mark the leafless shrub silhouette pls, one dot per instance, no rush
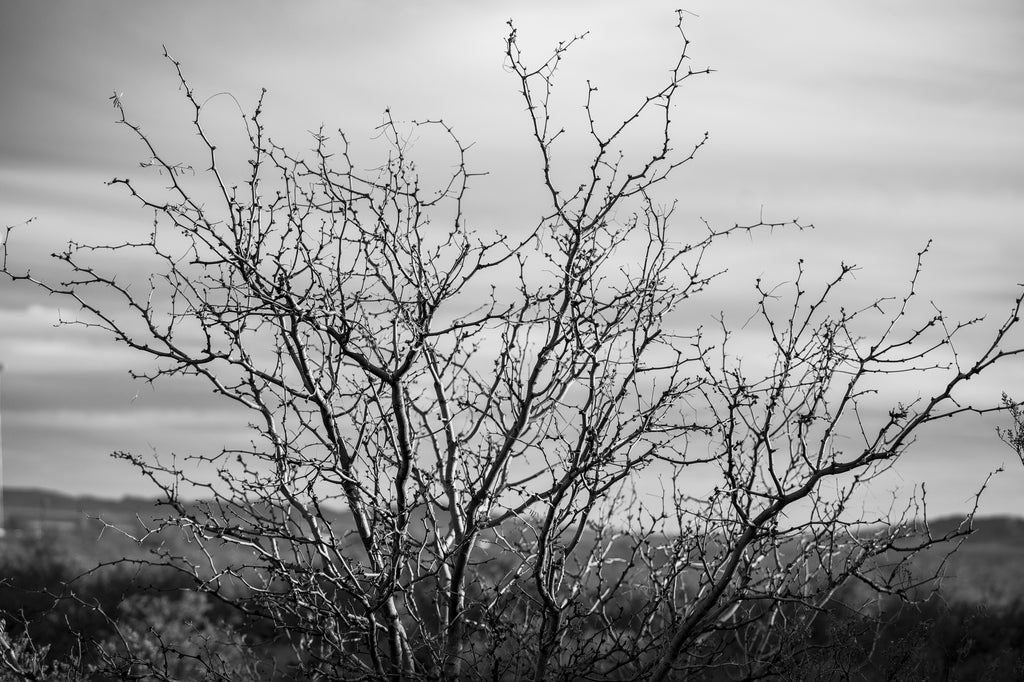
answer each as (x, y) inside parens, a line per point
(454, 431)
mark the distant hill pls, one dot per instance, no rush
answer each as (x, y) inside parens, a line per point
(37, 508)
(988, 568)
(37, 504)
(41, 505)
(1000, 530)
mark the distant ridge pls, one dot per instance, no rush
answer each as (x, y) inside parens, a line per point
(21, 501)
(999, 529)
(37, 498)
(35, 507)
(987, 569)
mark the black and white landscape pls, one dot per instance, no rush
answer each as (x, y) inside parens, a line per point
(552, 341)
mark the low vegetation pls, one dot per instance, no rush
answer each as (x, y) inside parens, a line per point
(64, 619)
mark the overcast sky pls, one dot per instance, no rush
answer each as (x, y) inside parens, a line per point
(884, 124)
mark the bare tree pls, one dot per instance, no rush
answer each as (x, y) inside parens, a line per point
(454, 433)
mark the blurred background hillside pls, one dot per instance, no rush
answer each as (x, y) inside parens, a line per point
(969, 626)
